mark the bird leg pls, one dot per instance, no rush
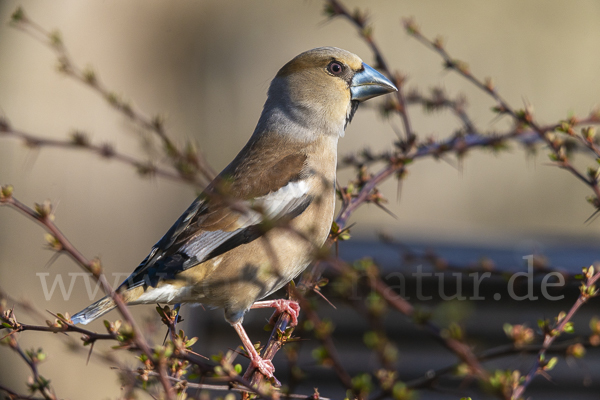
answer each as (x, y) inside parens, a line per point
(289, 306)
(264, 366)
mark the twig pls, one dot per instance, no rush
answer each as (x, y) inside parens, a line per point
(64, 327)
(79, 141)
(181, 160)
(439, 100)
(326, 339)
(398, 303)
(522, 117)
(24, 304)
(12, 395)
(43, 215)
(460, 143)
(224, 388)
(588, 290)
(335, 8)
(490, 354)
(485, 265)
(38, 383)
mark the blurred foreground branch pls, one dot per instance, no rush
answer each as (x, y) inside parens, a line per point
(175, 364)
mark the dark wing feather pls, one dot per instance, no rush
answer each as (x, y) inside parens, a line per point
(210, 227)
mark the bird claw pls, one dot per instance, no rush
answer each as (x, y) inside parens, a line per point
(288, 306)
(265, 366)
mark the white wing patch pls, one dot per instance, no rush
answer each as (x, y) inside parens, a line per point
(279, 203)
(274, 205)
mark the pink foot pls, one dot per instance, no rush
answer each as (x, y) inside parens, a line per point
(288, 306)
(264, 366)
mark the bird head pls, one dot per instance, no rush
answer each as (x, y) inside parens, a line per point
(318, 92)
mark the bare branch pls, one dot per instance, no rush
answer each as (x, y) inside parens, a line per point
(43, 215)
(588, 290)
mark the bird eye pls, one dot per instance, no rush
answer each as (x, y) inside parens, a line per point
(335, 68)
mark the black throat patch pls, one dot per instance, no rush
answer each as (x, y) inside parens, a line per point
(353, 106)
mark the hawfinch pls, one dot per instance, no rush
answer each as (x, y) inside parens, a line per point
(256, 226)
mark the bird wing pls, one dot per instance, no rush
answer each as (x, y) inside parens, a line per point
(228, 214)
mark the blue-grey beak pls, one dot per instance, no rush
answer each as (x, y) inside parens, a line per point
(369, 83)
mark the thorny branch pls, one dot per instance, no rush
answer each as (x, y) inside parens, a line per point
(192, 168)
(44, 216)
(225, 388)
(587, 291)
(335, 8)
(79, 140)
(37, 383)
(408, 152)
(12, 395)
(502, 351)
(179, 345)
(524, 117)
(541, 266)
(190, 165)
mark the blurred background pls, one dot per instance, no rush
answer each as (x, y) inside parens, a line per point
(206, 66)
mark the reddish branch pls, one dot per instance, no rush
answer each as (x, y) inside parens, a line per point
(396, 162)
(522, 117)
(461, 350)
(501, 351)
(80, 142)
(588, 290)
(43, 215)
(12, 395)
(335, 8)
(180, 159)
(38, 383)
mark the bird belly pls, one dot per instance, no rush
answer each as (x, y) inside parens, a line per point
(255, 270)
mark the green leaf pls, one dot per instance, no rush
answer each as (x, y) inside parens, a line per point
(569, 327)
(551, 364)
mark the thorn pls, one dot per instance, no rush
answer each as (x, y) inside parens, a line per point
(7, 335)
(317, 291)
(56, 316)
(242, 352)
(592, 217)
(53, 259)
(90, 353)
(450, 163)
(346, 229)
(384, 208)
(197, 354)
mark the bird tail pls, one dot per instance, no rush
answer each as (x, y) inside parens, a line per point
(94, 311)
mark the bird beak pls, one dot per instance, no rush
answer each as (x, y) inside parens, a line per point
(369, 83)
